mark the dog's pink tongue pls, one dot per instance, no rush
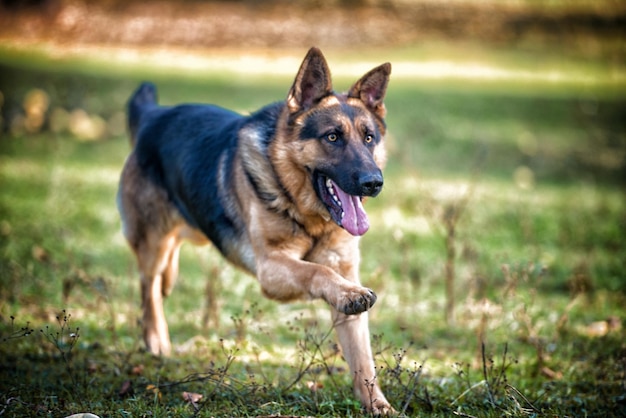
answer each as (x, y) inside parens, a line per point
(354, 219)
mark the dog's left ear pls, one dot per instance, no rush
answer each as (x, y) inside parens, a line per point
(371, 88)
(312, 83)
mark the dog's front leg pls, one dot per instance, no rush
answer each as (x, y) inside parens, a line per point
(285, 278)
(354, 338)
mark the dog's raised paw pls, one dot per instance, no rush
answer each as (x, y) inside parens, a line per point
(358, 303)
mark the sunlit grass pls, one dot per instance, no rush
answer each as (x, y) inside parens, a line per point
(539, 260)
(456, 66)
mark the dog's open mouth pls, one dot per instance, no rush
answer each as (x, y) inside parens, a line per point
(345, 209)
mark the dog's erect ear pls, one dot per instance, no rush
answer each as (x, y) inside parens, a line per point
(311, 84)
(371, 89)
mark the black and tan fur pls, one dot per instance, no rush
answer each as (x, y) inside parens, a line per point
(264, 189)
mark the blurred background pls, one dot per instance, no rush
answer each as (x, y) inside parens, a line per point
(503, 219)
(592, 27)
(555, 43)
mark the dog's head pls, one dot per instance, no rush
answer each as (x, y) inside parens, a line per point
(339, 138)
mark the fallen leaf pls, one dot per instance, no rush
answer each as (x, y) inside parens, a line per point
(602, 328)
(40, 254)
(314, 386)
(615, 323)
(155, 390)
(137, 370)
(192, 397)
(92, 366)
(551, 374)
(126, 389)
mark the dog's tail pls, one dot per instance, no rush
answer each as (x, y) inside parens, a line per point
(144, 98)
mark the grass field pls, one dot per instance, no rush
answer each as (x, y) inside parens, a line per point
(514, 183)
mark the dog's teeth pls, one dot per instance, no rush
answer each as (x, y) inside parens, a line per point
(342, 213)
(332, 191)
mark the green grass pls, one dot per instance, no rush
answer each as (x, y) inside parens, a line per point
(539, 259)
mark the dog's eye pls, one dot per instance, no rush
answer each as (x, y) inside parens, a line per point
(369, 138)
(332, 137)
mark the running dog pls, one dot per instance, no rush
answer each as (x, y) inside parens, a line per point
(279, 192)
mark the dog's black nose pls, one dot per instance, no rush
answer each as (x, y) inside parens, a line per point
(371, 183)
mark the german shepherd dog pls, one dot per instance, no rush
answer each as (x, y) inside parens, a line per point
(278, 192)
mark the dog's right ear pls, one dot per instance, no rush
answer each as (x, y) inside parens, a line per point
(312, 82)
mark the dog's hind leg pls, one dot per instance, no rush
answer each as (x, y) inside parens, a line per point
(170, 273)
(182, 233)
(151, 226)
(155, 256)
